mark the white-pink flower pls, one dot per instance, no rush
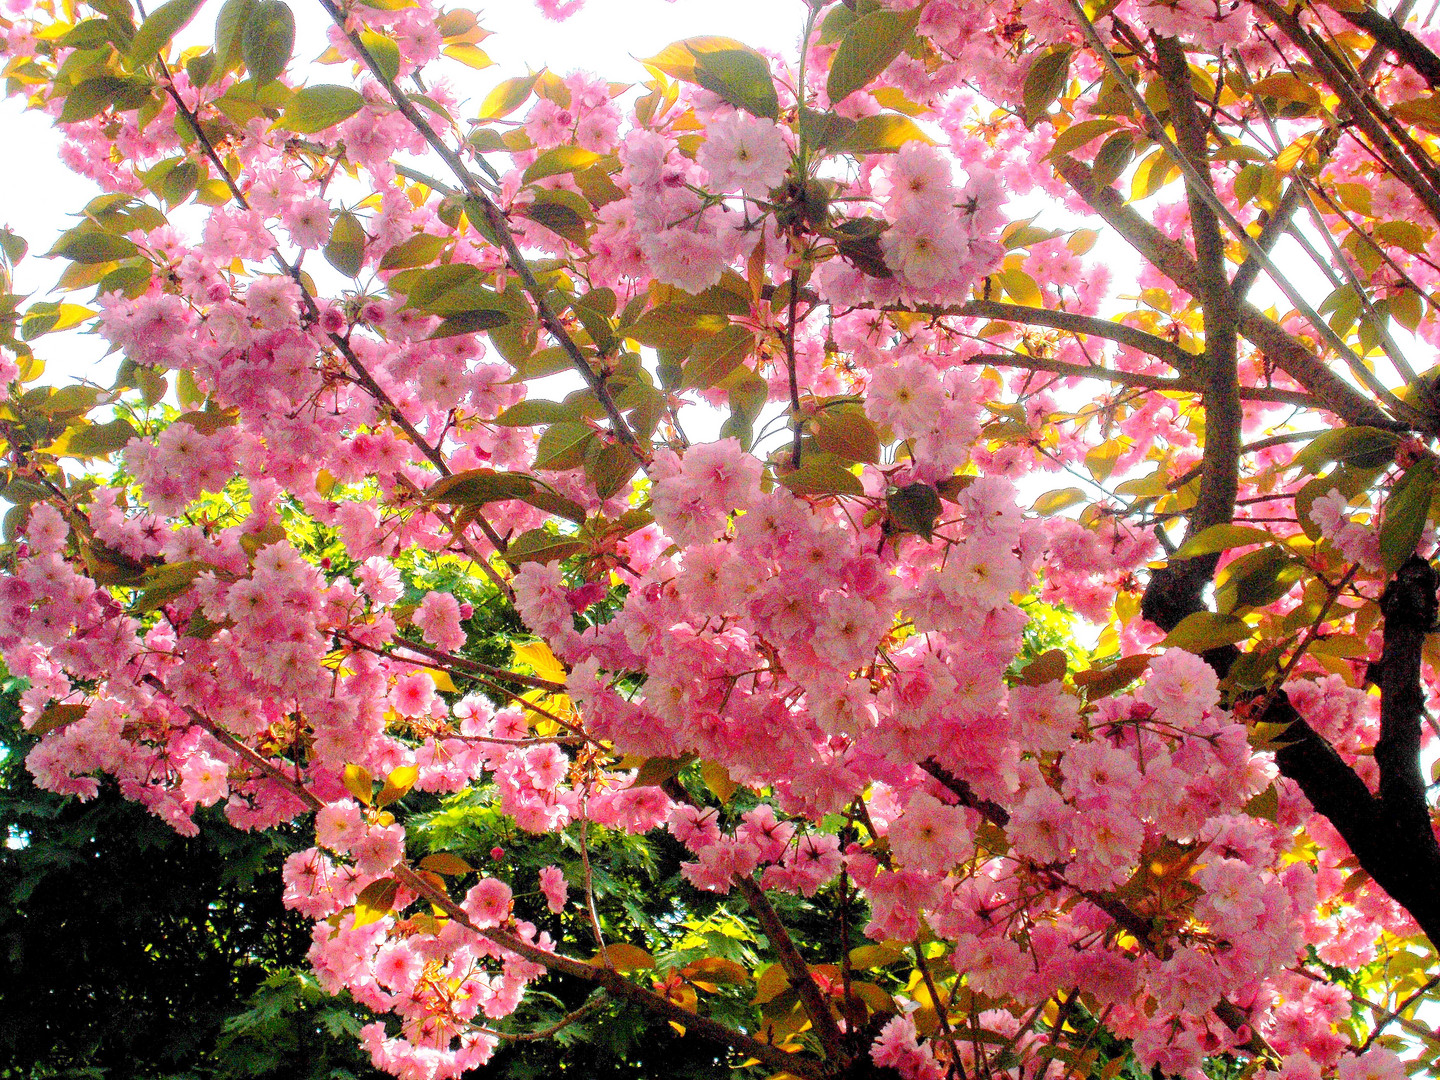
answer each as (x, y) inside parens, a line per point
(744, 153)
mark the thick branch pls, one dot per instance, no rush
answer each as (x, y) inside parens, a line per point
(1220, 465)
(1407, 871)
(1396, 39)
(1409, 607)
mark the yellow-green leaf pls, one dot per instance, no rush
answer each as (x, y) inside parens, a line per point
(508, 96)
(359, 782)
(623, 957)
(397, 785)
(316, 108)
(375, 901)
(1222, 538)
(1205, 630)
(870, 45)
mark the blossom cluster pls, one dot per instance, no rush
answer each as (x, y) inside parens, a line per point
(837, 621)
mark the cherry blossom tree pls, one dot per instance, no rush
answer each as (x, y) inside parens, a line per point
(1124, 774)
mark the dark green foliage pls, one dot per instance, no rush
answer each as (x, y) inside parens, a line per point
(127, 950)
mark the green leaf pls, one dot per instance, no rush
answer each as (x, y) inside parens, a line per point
(558, 160)
(670, 326)
(1247, 183)
(533, 412)
(1265, 805)
(383, 51)
(716, 357)
(1363, 447)
(1045, 82)
(1221, 538)
(539, 545)
(470, 322)
(914, 508)
(267, 40)
(741, 76)
(229, 28)
(1256, 579)
(346, 249)
(89, 246)
(475, 487)
(555, 213)
(423, 287)
(508, 96)
(870, 46)
(200, 68)
(543, 498)
(418, 250)
(101, 440)
(881, 134)
(88, 34)
(1406, 511)
(1205, 630)
(608, 466)
(12, 246)
(165, 583)
(316, 108)
(563, 445)
(179, 183)
(102, 92)
(820, 474)
(845, 431)
(1077, 135)
(157, 30)
(1112, 159)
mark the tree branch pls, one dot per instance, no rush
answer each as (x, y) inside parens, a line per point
(1172, 259)
(1394, 38)
(1152, 344)
(1220, 463)
(1414, 169)
(795, 967)
(1137, 379)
